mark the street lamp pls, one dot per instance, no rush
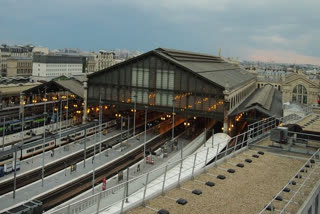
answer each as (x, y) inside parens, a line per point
(44, 134)
(134, 115)
(173, 113)
(145, 132)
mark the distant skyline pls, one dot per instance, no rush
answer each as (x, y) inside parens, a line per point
(265, 30)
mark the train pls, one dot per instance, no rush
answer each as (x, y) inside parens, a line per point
(14, 126)
(51, 143)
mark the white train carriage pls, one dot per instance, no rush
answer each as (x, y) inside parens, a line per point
(7, 161)
(36, 149)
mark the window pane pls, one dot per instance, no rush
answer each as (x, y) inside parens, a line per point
(305, 100)
(294, 98)
(294, 90)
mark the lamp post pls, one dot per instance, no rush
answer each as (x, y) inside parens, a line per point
(60, 119)
(94, 153)
(3, 132)
(173, 104)
(44, 134)
(67, 108)
(100, 126)
(134, 115)
(145, 132)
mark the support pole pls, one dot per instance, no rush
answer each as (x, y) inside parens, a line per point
(85, 149)
(212, 137)
(127, 186)
(15, 172)
(181, 162)
(44, 137)
(100, 127)
(121, 122)
(67, 114)
(98, 204)
(173, 104)
(164, 179)
(145, 190)
(134, 115)
(194, 164)
(60, 120)
(3, 132)
(206, 161)
(145, 132)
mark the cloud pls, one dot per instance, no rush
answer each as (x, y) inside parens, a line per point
(282, 56)
(201, 25)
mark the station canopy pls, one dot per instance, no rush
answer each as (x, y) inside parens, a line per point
(72, 85)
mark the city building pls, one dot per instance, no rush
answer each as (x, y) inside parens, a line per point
(298, 88)
(101, 60)
(12, 51)
(19, 66)
(47, 67)
(40, 50)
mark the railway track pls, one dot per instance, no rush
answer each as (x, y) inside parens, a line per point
(27, 178)
(68, 191)
(52, 168)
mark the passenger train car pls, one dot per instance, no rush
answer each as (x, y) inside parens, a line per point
(53, 142)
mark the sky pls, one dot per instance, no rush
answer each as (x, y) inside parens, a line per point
(264, 30)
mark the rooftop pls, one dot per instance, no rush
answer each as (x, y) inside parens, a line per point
(210, 67)
(247, 190)
(270, 105)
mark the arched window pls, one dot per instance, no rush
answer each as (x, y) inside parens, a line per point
(300, 95)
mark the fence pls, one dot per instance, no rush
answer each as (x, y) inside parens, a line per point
(293, 200)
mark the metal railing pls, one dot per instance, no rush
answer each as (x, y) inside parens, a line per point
(293, 181)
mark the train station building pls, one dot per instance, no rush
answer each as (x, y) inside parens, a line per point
(191, 84)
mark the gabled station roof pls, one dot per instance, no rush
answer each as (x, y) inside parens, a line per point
(266, 100)
(213, 68)
(72, 85)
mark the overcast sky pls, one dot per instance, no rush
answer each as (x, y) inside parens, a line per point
(269, 30)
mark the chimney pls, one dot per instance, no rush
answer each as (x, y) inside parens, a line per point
(219, 52)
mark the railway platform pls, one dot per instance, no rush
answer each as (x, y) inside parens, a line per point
(59, 153)
(63, 177)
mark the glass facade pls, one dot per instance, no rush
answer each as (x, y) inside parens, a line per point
(155, 82)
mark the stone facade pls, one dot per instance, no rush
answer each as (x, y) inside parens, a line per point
(298, 88)
(19, 66)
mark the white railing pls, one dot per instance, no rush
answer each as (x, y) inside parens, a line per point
(294, 181)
